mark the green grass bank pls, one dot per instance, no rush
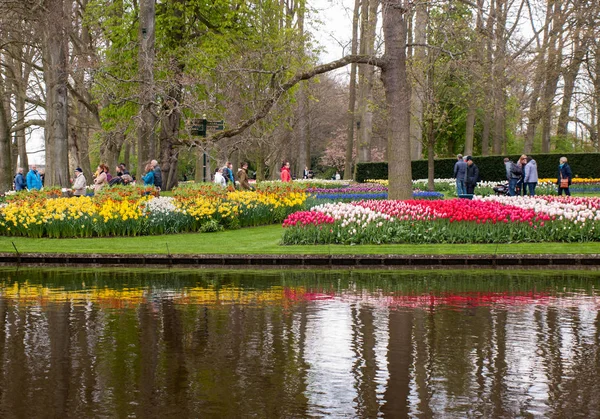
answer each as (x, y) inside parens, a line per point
(265, 240)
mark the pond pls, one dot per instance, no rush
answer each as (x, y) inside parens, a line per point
(162, 344)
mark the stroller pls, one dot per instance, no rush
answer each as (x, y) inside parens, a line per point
(501, 189)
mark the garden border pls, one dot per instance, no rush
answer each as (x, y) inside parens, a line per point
(489, 261)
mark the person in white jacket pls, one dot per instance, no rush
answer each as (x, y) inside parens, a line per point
(220, 179)
(79, 183)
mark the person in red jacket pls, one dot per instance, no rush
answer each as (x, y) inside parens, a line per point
(285, 172)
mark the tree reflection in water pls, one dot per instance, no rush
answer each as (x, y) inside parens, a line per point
(296, 344)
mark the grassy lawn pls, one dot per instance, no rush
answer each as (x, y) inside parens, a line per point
(265, 240)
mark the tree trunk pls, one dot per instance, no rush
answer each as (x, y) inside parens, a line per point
(129, 145)
(110, 149)
(260, 164)
(20, 134)
(596, 98)
(147, 123)
(367, 125)
(552, 73)
(348, 172)
(488, 70)
(397, 93)
(365, 80)
(534, 111)
(6, 168)
(470, 129)
(302, 129)
(302, 132)
(21, 69)
(55, 44)
(418, 64)
(169, 134)
(499, 77)
(199, 175)
(570, 76)
(430, 156)
(79, 142)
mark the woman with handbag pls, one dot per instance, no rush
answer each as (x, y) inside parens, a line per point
(564, 177)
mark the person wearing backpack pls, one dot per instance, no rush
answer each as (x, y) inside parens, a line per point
(516, 173)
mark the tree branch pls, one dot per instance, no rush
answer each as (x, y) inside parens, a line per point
(303, 75)
(90, 107)
(27, 124)
(445, 51)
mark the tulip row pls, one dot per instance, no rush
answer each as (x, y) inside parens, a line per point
(348, 197)
(448, 186)
(487, 220)
(131, 212)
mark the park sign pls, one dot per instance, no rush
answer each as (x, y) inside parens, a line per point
(199, 127)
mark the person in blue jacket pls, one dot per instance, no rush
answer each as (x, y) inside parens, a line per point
(33, 179)
(148, 178)
(20, 182)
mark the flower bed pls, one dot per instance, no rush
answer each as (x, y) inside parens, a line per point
(132, 211)
(348, 197)
(363, 191)
(488, 220)
(580, 185)
(448, 186)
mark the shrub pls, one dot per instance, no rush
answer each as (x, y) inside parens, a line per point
(491, 168)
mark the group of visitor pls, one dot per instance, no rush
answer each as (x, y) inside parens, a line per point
(153, 175)
(103, 177)
(224, 176)
(522, 176)
(34, 180)
(466, 174)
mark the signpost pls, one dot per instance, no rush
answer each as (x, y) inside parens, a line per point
(200, 127)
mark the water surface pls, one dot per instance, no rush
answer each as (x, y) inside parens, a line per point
(298, 344)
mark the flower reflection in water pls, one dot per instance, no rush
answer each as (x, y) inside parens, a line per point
(297, 344)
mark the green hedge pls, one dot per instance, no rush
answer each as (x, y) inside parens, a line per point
(491, 168)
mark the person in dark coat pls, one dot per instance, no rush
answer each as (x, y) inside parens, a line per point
(157, 174)
(565, 175)
(20, 182)
(471, 176)
(460, 168)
